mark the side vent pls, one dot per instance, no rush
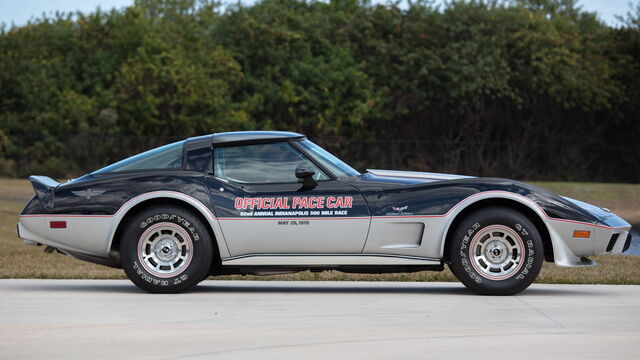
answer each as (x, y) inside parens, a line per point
(627, 244)
(612, 242)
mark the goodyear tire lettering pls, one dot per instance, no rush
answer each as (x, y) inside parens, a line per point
(147, 276)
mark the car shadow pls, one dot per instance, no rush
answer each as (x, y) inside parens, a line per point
(559, 290)
(84, 287)
(125, 287)
(383, 288)
(234, 286)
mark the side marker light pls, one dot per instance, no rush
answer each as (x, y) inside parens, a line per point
(581, 234)
(58, 224)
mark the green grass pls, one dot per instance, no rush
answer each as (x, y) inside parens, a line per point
(20, 261)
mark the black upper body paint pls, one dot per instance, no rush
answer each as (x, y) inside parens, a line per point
(372, 195)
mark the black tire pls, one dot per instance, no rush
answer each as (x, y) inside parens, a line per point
(496, 251)
(166, 249)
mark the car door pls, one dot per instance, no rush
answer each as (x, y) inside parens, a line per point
(262, 207)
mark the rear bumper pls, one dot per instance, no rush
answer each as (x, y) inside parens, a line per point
(32, 230)
(26, 241)
(87, 235)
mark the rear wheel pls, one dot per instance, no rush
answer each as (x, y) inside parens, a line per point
(166, 249)
(496, 251)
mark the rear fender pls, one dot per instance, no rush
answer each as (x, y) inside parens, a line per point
(200, 207)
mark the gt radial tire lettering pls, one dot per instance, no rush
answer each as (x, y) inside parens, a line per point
(529, 263)
(148, 278)
(140, 272)
(179, 280)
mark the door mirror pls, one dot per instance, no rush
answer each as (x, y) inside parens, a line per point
(305, 176)
(302, 172)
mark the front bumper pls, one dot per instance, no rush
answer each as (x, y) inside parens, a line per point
(605, 238)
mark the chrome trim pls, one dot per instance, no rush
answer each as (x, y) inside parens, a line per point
(416, 174)
(328, 260)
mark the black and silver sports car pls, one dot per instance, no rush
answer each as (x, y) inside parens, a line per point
(270, 202)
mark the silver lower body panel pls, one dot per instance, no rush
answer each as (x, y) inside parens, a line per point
(327, 260)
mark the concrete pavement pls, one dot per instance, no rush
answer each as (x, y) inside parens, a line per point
(104, 319)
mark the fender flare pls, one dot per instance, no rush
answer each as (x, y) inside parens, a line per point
(561, 251)
(168, 194)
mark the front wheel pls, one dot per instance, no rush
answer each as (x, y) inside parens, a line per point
(496, 251)
(166, 249)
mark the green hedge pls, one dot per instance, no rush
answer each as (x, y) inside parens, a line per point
(535, 89)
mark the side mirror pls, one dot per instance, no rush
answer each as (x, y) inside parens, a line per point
(302, 172)
(305, 176)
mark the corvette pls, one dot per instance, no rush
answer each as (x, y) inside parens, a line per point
(266, 202)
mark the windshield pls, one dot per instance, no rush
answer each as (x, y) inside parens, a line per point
(335, 165)
(164, 157)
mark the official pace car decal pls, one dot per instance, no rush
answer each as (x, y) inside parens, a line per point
(296, 206)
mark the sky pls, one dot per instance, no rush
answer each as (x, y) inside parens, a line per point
(18, 12)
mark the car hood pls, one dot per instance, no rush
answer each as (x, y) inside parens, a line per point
(605, 216)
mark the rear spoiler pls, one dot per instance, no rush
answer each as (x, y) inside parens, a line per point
(44, 187)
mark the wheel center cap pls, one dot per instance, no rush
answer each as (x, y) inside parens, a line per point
(166, 250)
(496, 252)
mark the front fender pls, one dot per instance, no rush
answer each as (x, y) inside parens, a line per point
(453, 214)
(567, 252)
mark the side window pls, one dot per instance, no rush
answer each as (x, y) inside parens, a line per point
(164, 157)
(262, 163)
